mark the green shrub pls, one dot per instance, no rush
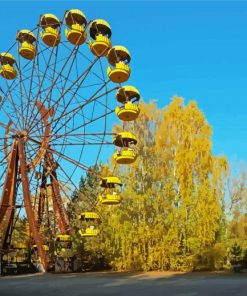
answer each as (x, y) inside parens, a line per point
(212, 258)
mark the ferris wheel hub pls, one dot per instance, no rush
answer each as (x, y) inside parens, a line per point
(24, 134)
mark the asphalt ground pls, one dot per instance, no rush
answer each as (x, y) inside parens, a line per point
(129, 284)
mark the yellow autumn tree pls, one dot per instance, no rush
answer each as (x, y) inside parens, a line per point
(172, 194)
(195, 176)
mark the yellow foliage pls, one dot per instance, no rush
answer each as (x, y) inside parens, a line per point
(172, 199)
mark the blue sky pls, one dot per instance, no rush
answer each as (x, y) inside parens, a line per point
(197, 50)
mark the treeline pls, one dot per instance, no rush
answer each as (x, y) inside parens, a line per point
(181, 207)
(180, 210)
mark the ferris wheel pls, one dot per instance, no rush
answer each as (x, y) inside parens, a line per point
(60, 88)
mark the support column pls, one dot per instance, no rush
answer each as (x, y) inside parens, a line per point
(7, 207)
(58, 206)
(28, 205)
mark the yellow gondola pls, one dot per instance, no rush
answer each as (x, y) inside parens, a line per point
(27, 50)
(7, 69)
(127, 93)
(20, 246)
(50, 24)
(128, 112)
(100, 32)
(110, 199)
(18, 254)
(110, 182)
(88, 216)
(45, 247)
(110, 196)
(63, 238)
(89, 232)
(124, 139)
(76, 22)
(63, 245)
(125, 156)
(119, 58)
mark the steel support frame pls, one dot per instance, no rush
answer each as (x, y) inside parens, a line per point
(17, 164)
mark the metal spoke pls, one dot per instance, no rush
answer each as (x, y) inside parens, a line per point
(68, 89)
(54, 82)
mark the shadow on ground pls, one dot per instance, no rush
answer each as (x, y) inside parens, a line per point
(125, 283)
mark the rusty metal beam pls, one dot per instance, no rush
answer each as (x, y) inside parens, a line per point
(7, 206)
(41, 205)
(28, 204)
(42, 197)
(58, 206)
